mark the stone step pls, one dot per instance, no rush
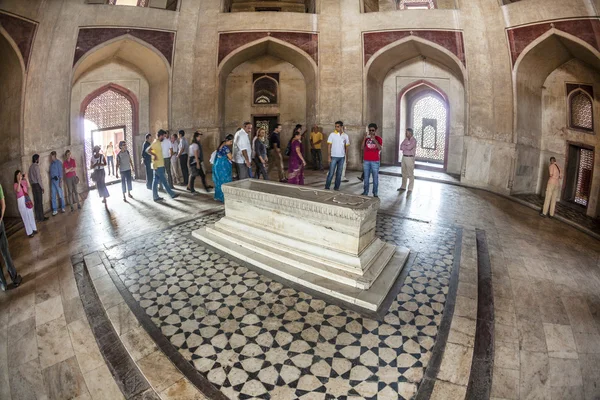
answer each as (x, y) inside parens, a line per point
(287, 268)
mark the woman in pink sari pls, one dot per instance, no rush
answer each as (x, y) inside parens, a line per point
(296, 162)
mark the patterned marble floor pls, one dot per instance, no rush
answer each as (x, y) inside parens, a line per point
(253, 337)
(565, 211)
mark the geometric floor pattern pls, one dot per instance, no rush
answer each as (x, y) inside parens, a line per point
(252, 337)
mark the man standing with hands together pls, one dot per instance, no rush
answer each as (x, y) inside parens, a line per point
(409, 150)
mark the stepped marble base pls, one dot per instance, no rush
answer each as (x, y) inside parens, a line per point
(284, 263)
(319, 239)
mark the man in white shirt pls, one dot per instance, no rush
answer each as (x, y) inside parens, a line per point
(242, 149)
(167, 146)
(338, 143)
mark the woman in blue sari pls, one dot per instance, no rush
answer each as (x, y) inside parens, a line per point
(222, 167)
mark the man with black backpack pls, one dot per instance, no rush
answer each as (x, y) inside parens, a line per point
(275, 148)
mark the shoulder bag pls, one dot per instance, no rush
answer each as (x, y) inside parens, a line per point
(28, 202)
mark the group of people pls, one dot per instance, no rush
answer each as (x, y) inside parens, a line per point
(237, 153)
(172, 159)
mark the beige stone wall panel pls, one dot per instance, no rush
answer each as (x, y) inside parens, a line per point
(525, 12)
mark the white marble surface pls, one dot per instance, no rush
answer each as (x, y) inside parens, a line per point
(319, 239)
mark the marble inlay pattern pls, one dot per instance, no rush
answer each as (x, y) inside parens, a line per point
(253, 337)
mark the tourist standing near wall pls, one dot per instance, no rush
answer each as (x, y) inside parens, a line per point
(338, 143)
(408, 147)
(70, 167)
(56, 175)
(24, 203)
(551, 188)
(35, 178)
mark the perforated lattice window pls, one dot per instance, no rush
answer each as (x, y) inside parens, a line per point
(584, 177)
(107, 110)
(581, 109)
(415, 4)
(429, 115)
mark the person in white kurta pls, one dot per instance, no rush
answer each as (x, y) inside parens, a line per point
(21, 188)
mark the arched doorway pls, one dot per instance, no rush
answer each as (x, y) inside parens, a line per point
(425, 109)
(110, 115)
(416, 82)
(124, 84)
(11, 95)
(554, 103)
(285, 71)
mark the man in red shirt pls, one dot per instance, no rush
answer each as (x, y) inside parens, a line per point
(371, 153)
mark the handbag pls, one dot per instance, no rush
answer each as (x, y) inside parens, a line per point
(288, 149)
(93, 176)
(76, 179)
(28, 202)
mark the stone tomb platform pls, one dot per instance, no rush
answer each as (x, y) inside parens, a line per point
(319, 239)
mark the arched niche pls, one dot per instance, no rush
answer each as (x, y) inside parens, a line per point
(12, 71)
(416, 64)
(534, 139)
(136, 67)
(278, 49)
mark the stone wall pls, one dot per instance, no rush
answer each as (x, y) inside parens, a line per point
(11, 80)
(239, 107)
(496, 136)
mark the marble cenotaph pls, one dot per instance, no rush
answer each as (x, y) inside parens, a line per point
(320, 239)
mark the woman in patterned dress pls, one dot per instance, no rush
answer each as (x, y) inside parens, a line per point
(222, 167)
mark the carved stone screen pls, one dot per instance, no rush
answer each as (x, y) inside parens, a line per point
(581, 109)
(109, 109)
(584, 177)
(429, 122)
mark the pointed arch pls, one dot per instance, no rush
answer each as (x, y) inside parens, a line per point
(280, 49)
(531, 69)
(396, 53)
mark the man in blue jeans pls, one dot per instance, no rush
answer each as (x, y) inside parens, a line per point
(158, 165)
(56, 176)
(371, 151)
(337, 143)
